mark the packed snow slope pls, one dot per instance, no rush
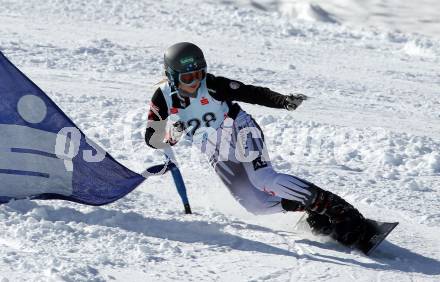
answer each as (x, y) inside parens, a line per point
(370, 132)
(421, 16)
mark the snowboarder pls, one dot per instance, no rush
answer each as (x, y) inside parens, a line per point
(199, 99)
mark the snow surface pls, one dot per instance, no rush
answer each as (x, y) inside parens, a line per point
(370, 133)
(421, 16)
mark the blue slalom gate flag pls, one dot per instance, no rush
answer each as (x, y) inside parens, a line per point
(44, 155)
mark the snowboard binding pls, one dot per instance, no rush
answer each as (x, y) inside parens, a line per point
(330, 214)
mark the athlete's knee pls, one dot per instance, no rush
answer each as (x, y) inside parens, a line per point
(259, 206)
(253, 209)
(256, 208)
(262, 177)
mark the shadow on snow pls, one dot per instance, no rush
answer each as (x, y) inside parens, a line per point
(170, 229)
(388, 256)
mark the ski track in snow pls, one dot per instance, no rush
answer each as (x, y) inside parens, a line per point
(370, 133)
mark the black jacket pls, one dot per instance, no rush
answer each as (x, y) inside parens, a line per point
(221, 89)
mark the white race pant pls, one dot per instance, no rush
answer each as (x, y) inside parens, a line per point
(253, 182)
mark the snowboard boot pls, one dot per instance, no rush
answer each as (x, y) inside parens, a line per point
(293, 206)
(320, 224)
(347, 223)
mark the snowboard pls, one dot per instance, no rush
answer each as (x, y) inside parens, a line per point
(375, 233)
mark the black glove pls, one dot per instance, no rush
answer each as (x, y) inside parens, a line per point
(293, 101)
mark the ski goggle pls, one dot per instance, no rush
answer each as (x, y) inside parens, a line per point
(190, 78)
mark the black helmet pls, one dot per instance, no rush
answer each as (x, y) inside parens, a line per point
(180, 58)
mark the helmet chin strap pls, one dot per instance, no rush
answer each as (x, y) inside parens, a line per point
(183, 93)
(186, 94)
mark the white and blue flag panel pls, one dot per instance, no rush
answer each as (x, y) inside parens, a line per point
(43, 154)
